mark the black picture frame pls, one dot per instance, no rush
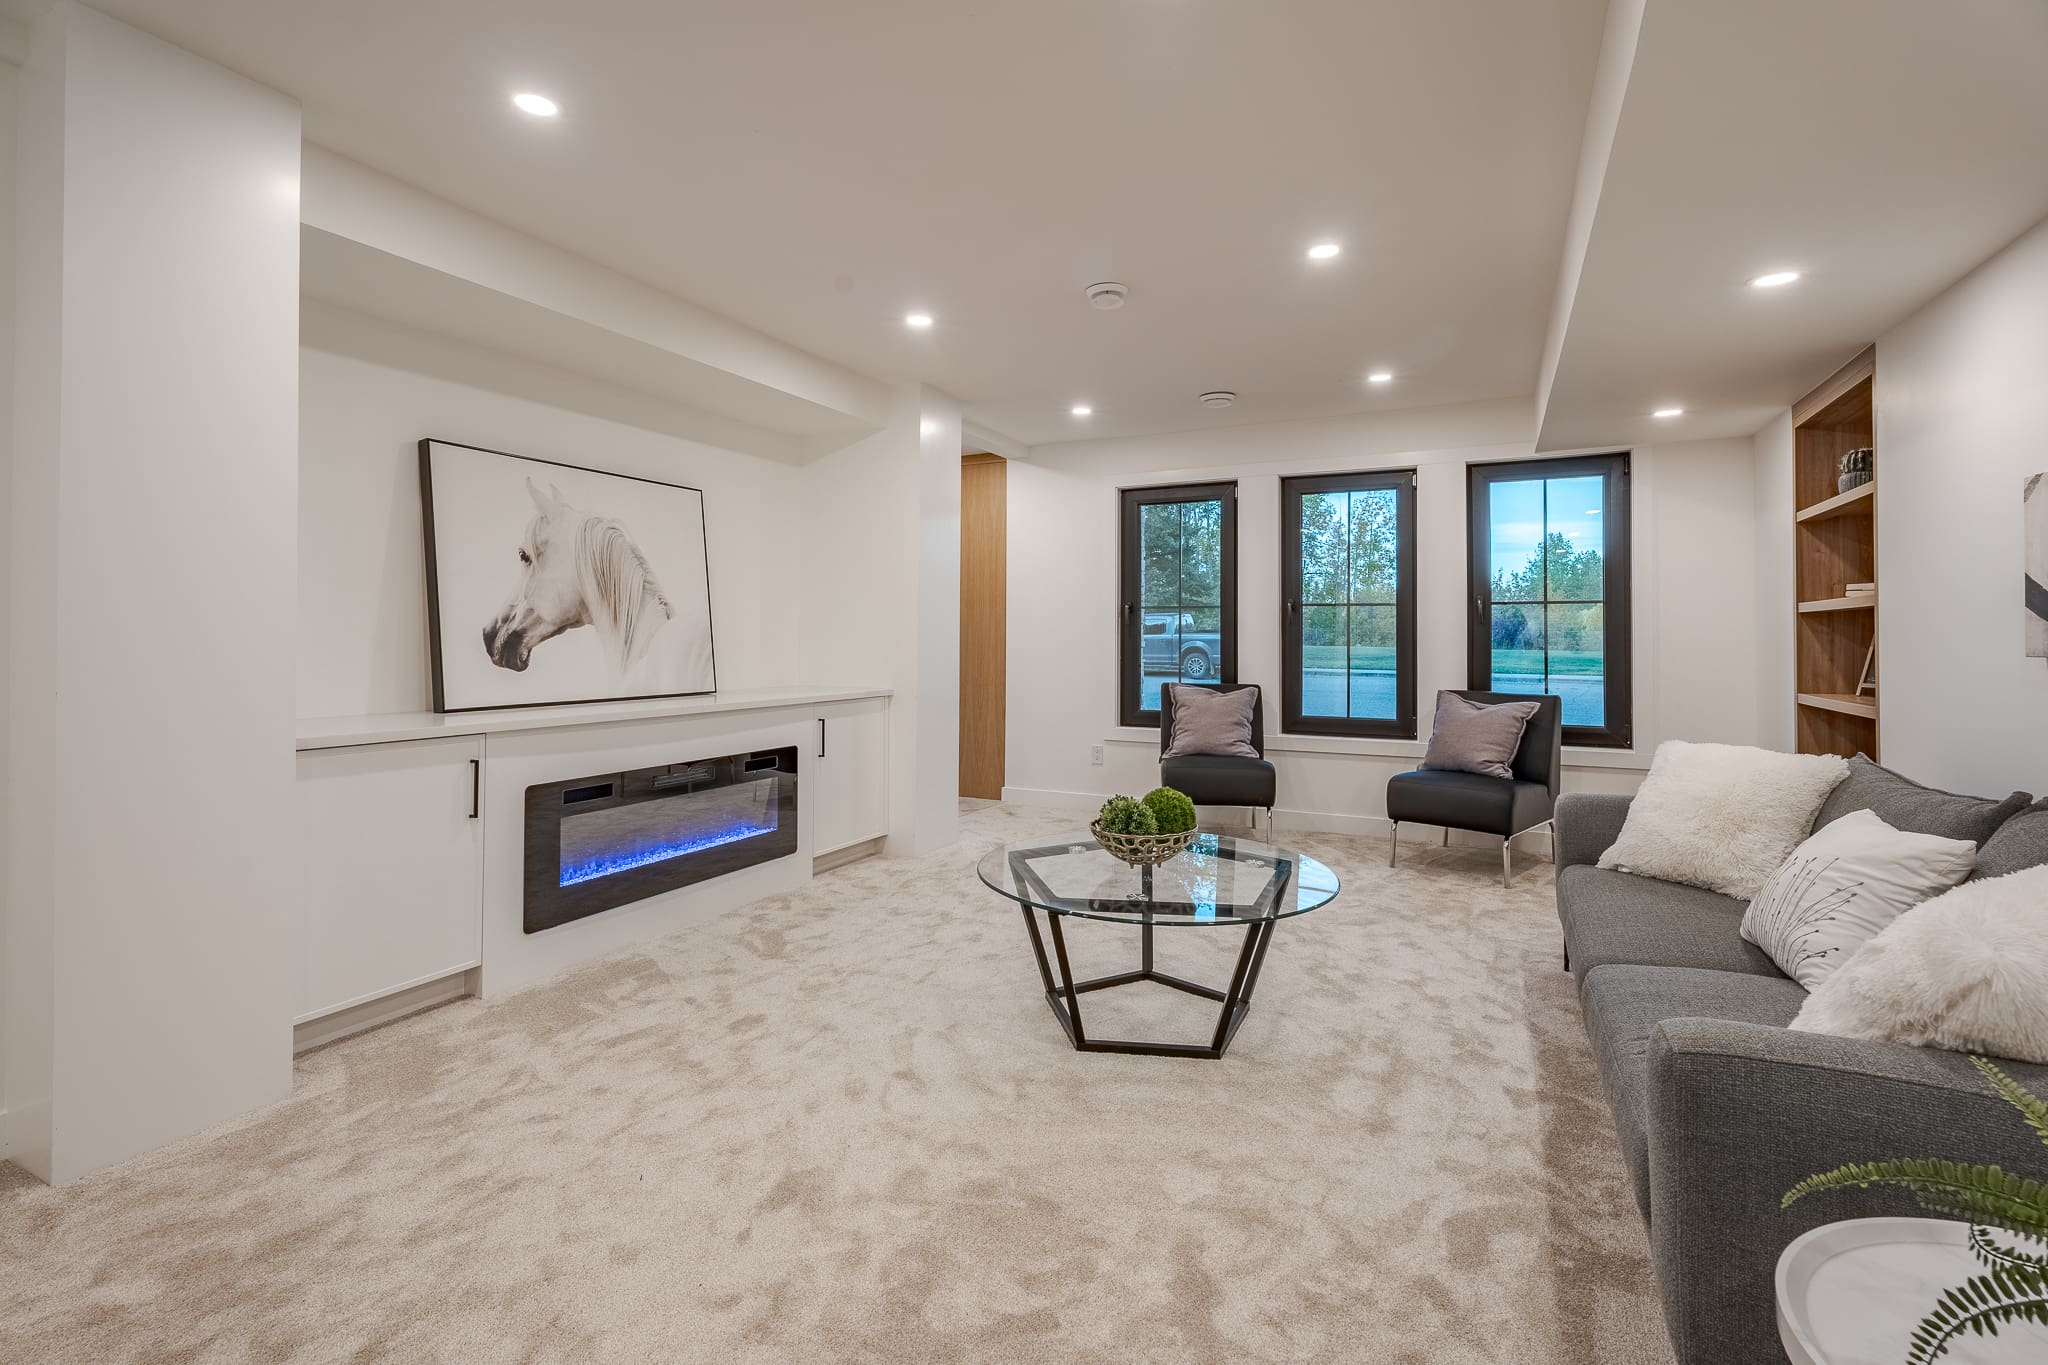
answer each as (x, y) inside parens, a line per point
(1292, 489)
(1618, 729)
(432, 549)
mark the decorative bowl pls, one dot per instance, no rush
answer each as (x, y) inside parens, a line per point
(1141, 850)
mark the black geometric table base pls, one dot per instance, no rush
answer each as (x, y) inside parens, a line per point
(1065, 998)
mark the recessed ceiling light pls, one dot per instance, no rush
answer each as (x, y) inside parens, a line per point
(1323, 251)
(1774, 279)
(919, 320)
(540, 106)
(1668, 412)
(1379, 377)
(1082, 410)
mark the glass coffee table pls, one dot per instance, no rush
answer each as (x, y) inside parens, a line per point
(1217, 882)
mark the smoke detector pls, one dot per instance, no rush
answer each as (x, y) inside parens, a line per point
(1218, 398)
(1108, 294)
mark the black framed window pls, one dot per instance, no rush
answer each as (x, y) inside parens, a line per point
(1179, 592)
(1347, 584)
(1550, 588)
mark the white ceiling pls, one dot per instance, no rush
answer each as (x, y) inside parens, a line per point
(1883, 147)
(815, 168)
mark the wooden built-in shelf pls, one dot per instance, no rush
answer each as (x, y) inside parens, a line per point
(1858, 501)
(1860, 603)
(1841, 703)
(1834, 537)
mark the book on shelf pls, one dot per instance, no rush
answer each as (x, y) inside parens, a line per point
(1859, 590)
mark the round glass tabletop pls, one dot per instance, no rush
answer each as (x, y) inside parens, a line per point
(1218, 879)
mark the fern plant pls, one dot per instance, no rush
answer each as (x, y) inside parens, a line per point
(2014, 1286)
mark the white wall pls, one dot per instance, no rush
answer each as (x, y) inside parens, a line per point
(1772, 453)
(1962, 419)
(1695, 643)
(154, 513)
(880, 563)
(362, 634)
(8, 129)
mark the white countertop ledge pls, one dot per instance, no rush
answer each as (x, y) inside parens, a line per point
(340, 732)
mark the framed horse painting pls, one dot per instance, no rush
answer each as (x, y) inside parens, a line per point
(551, 583)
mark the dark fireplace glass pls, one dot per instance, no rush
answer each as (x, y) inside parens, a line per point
(604, 843)
(601, 841)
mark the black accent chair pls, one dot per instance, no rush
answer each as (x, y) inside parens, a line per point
(1488, 805)
(1220, 779)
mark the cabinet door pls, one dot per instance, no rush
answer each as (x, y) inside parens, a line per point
(851, 786)
(390, 855)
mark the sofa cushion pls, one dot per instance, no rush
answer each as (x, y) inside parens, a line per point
(2021, 843)
(1492, 805)
(1624, 1005)
(1618, 918)
(1904, 804)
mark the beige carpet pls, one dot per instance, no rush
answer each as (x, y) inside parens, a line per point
(843, 1126)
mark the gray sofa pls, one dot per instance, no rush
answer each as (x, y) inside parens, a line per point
(1721, 1108)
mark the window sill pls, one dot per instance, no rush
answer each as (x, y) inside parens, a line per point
(1625, 760)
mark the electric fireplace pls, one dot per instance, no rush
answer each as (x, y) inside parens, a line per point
(595, 843)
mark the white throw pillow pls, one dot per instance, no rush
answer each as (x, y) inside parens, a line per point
(1840, 888)
(1966, 971)
(1722, 816)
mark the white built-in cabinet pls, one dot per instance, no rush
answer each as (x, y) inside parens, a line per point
(849, 786)
(391, 858)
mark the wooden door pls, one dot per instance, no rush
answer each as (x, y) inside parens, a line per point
(983, 623)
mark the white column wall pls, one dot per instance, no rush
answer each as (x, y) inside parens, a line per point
(1961, 411)
(155, 556)
(1775, 617)
(9, 125)
(880, 541)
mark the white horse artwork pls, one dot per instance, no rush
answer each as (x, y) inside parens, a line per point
(578, 570)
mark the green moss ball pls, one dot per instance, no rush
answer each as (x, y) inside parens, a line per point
(1171, 810)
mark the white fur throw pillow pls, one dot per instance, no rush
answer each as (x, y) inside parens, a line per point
(1966, 971)
(1722, 816)
(1845, 884)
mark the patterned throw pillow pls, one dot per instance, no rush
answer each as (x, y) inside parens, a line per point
(1843, 886)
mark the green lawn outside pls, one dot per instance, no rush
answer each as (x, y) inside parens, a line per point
(1380, 658)
(1581, 663)
(1364, 658)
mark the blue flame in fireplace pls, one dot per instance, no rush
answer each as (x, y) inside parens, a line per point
(611, 863)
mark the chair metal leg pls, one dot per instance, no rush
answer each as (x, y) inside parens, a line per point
(1393, 843)
(1447, 836)
(1507, 861)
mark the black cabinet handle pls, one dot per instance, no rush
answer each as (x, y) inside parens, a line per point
(476, 787)
(821, 737)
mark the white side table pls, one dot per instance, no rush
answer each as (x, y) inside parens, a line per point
(1851, 1293)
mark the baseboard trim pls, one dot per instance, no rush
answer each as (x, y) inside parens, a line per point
(385, 1009)
(852, 853)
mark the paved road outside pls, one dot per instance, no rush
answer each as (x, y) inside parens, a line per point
(1372, 693)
